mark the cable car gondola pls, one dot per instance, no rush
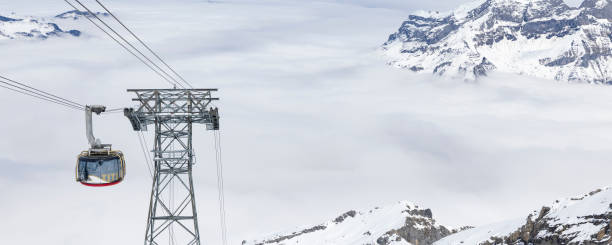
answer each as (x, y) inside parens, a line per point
(100, 165)
(100, 168)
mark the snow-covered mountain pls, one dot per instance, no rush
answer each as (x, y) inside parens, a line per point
(75, 15)
(31, 27)
(401, 224)
(581, 220)
(543, 38)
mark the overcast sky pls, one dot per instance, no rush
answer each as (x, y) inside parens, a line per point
(314, 123)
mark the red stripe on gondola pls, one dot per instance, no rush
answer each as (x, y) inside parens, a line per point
(101, 185)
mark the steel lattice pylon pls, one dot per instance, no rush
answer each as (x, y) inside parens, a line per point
(172, 112)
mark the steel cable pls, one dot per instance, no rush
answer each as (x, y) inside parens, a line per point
(40, 95)
(128, 42)
(220, 186)
(143, 44)
(146, 155)
(122, 44)
(48, 94)
(42, 98)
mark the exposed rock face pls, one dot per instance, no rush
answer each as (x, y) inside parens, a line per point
(418, 230)
(403, 223)
(544, 38)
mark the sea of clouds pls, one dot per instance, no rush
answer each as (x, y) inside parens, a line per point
(313, 124)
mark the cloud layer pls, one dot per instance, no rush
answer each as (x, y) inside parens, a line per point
(314, 123)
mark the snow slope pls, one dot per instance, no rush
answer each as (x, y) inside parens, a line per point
(542, 38)
(580, 220)
(401, 224)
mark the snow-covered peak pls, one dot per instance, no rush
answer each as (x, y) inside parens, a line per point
(403, 223)
(544, 38)
(29, 27)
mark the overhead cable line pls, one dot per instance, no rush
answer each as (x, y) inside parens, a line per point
(168, 79)
(220, 187)
(148, 155)
(48, 94)
(143, 44)
(145, 152)
(36, 93)
(128, 42)
(39, 97)
(25, 89)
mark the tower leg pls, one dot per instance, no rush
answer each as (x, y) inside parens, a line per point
(172, 210)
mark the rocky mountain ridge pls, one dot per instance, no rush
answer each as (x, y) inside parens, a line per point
(75, 15)
(581, 220)
(542, 38)
(401, 224)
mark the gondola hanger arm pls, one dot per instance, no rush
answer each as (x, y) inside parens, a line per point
(93, 141)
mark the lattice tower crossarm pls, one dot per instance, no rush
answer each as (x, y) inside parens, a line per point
(172, 112)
